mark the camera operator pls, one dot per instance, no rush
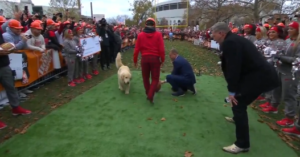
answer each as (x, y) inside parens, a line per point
(105, 44)
(57, 17)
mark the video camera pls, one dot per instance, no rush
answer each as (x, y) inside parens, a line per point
(58, 14)
(102, 22)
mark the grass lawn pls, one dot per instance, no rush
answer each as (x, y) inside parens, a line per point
(105, 122)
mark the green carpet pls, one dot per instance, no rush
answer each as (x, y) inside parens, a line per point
(103, 122)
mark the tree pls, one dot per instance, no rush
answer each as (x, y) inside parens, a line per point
(69, 8)
(141, 10)
(264, 8)
(209, 12)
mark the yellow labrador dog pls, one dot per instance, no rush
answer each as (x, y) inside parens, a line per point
(124, 75)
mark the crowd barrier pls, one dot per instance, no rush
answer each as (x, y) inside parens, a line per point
(33, 65)
(30, 68)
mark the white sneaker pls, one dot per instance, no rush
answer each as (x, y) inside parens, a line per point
(229, 119)
(28, 91)
(219, 63)
(22, 95)
(235, 149)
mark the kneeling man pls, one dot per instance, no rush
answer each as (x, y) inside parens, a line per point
(182, 77)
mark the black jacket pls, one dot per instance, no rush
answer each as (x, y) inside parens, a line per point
(245, 69)
(101, 31)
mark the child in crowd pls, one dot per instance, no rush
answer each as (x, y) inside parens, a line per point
(81, 70)
(71, 51)
(36, 41)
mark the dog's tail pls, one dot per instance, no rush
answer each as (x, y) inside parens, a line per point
(119, 60)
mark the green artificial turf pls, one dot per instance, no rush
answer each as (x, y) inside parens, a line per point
(104, 122)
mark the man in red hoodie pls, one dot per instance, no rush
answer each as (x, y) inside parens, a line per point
(151, 45)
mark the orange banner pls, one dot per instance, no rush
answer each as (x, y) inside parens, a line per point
(38, 65)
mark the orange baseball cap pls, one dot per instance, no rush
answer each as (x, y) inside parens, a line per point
(67, 22)
(14, 24)
(38, 21)
(151, 19)
(2, 19)
(50, 22)
(36, 25)
(280, 24)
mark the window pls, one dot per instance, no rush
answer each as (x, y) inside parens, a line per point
(173, 6)
(166, 7)
(160, 8)
(157, 9)
(170, 22)
(179, 22)
(182, 5)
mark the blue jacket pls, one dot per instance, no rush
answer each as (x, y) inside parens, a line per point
(183, 68)
(10, 37)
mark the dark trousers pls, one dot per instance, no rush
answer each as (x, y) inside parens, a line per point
(117, 50)
(150, 66)
(8, 82)
(240, 117)
(112, 53)
(179, 82)
(104, 56)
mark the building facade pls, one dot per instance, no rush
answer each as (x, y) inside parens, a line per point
(171, 12)
(9, 7)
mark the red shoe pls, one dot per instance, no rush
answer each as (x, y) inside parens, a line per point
(88, 76)
(95, 72)
(265, 105)
(260, 98)
(77, 81)
(72, 84)
(286, 122)
(82, 79)
(270, 109)
(2, 125)
(20, 111)
(291, 131)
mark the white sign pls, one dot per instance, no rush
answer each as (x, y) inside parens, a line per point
(16, 65)
(90, 46)
(214, 45)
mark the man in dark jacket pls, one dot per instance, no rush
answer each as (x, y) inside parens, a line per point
(182, 77)
(118, 41)
(105, 44)
(247, 74)
(7, 81)
(111, 43)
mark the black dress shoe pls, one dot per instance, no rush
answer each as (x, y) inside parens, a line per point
(193, 90)
(180, 92)
(174, 90)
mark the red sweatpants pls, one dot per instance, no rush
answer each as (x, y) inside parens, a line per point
(150, 65)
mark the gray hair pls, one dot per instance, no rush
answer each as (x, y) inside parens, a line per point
(221, 27)
(174, 51)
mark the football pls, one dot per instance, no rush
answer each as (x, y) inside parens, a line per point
(7, 46)
(158, 87)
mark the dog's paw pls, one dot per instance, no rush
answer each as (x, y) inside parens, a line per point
(121, 88)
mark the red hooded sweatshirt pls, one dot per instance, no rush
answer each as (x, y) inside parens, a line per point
(149, 42)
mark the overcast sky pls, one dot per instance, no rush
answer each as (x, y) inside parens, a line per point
(111, 8)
